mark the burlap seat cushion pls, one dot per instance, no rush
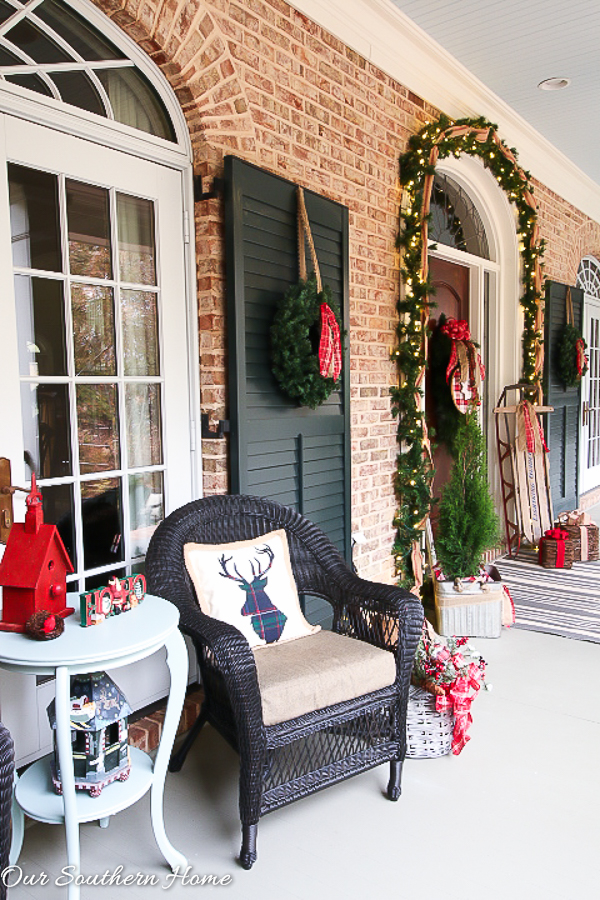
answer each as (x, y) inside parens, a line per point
(317, 671)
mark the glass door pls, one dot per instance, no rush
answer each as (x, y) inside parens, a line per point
(99, 319)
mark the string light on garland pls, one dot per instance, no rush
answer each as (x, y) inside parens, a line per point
(476, 137)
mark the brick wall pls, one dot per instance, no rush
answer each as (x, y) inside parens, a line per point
(258, 79)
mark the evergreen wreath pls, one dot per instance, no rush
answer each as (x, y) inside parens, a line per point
(438, 140)
(295, 342)
(571, 359)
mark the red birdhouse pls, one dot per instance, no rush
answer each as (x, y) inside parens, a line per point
(34, 568)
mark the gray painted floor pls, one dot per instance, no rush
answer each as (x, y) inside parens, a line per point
(516, 815)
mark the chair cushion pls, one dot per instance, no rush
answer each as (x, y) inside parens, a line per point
(318, 671)
(249, 584)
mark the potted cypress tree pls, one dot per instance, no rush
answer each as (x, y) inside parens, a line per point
(467, 527)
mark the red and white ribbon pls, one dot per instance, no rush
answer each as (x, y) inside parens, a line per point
(330, 345)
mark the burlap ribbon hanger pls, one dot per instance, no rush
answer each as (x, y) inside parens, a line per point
(330, 344)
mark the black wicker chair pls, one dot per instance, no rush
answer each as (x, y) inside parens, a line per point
(7, 769)
(283, 762)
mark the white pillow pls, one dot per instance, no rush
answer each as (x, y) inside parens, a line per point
(249, 584)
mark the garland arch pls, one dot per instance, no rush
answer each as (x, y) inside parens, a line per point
(438, 140)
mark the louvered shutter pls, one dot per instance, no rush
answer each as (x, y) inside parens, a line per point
(297, 456)
(562, 429)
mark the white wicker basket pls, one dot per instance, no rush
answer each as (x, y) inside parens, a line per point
(428, 732)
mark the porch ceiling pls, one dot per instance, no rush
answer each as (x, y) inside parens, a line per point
(512, 46)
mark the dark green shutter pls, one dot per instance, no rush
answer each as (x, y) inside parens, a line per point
(562, 429)
(297, 456)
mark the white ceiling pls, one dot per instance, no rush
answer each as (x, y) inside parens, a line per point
(512, 45)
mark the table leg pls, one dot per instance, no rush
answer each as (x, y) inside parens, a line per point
(18, 828)
(177, 661)
(67, 777)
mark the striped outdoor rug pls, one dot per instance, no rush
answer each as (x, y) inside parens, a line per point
(565, 602)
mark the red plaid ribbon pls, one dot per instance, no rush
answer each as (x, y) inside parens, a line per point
(458, 332)
(458, 699)
(582, 360)
(330, 345)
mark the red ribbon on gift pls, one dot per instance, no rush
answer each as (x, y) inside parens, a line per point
(560, 536)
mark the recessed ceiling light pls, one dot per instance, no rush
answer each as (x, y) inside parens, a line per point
(554, 84)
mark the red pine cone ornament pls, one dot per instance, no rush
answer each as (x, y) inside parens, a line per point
(465, 370)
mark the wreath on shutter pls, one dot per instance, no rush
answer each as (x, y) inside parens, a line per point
(306, 334)
(571, 358)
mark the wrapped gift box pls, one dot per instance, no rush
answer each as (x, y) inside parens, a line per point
(583, 533)
(556, 549)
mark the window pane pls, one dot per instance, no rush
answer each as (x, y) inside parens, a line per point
(40, 326)
(47, 428)
(9, 59)
(6, 11)
(146, 509)
(143, 424)
(93, 329)
(77, 89)
(31, 82)
(98, 426)
(135, 219)
(58, 509)
(140, 333)
(101, 508)
(34, 43)
(101, 580)
(89, 230)
(82, 36)
(135, 102)
(34, 219)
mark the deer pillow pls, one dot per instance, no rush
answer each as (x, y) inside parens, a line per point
(249, 584)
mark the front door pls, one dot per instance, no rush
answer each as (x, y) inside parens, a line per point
(450, 282)
(589, 447)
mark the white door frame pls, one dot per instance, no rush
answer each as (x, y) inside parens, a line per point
(504, 314)
(589, 477)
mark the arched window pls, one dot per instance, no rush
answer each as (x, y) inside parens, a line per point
(455, 221)
(49, 48)
(588, 276)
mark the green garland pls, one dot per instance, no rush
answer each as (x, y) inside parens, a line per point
(294, 343)
(438, 140)
(566, 356)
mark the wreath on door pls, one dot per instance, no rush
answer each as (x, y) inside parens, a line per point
(571, 357)
(307, 340)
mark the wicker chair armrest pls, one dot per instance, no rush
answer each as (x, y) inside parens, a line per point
(232, 657)
(383, 615)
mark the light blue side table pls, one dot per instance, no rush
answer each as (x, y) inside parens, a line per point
(119, 641)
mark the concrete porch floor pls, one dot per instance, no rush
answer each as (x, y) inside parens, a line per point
(515, 815)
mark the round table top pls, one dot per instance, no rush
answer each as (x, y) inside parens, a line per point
(137, 632)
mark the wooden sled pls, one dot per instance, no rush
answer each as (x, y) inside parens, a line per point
(524, 475)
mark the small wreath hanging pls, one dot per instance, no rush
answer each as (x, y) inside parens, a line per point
(306, 334)
(571, 358)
